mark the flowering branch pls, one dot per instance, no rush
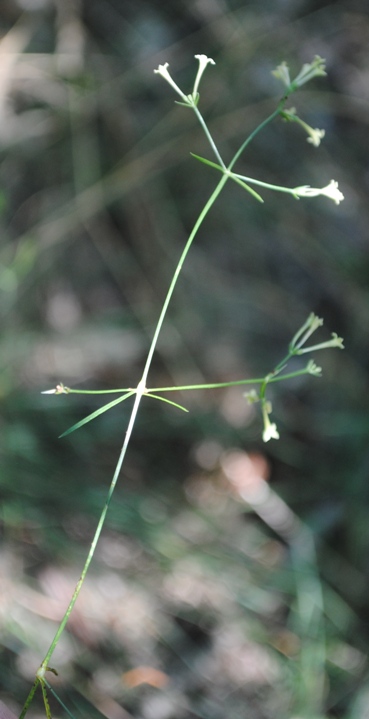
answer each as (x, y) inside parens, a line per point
(295, 347)
(315, 134)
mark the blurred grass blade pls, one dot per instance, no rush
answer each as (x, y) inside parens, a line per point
(96, 413)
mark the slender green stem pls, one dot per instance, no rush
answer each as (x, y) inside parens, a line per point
(278, 368)
(173, 283)
(233, 383)
(267, 185)
(29, 699)
(209, 136)
(46, 701)
(216, 385)
(288, 375)
(119, 390)
(271, 377)
(256, 131)
(77, 590)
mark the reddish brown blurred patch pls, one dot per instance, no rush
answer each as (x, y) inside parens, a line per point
(145, 675)
(287, 643)
(245, 472)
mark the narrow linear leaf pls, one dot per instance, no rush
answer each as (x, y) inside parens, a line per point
(183, 104)
(248, 188)
(232, 177)
(207, 162)
(96, 414)
(168, 401)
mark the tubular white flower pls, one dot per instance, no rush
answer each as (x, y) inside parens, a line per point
(307, 72)
(270, 428)
(312, 323)
(310, 70)
(315, 135)
(270, 431)
(163, 71)
(313, 369)
(204, 61)
(282, 73)
(336, 341)
(331, 191)
(252, 396)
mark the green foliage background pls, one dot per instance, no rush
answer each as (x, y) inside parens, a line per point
(98, 194)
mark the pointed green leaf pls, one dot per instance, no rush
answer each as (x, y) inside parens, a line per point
(247, 187)
(168, 401)
(207, 162)
(96, 413)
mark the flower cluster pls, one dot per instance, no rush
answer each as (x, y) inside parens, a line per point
(192, 99)
(296, 347)
(308, 71)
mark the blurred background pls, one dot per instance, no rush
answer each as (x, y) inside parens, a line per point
(231, 579)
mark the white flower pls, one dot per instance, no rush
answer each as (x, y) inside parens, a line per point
(310, 70)
(336, 341)
(203, 63)
(252, 396)
(307, 72)
(312, 323)
(192, 99)
(163, 71)
(270, 428)
(270, 431)
(331, 191)
(313, 369)
(282, 73)
(315, 136)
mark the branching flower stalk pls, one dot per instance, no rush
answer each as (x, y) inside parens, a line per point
(296, 346)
